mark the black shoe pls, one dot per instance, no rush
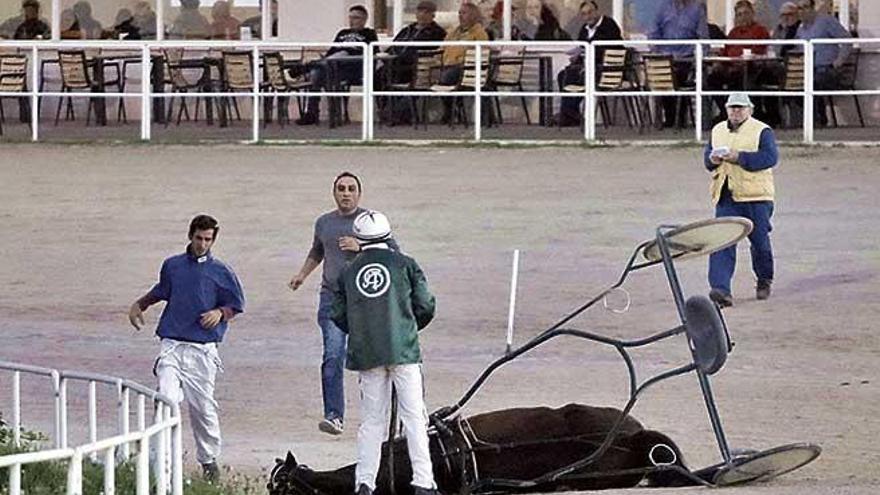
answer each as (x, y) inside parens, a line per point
(720, 298)
(417, 490)
(363, 490)
(762, 291)
(307, 119)
(211, 472)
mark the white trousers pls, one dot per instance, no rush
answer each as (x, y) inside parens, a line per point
(187, 371)
(375, 385)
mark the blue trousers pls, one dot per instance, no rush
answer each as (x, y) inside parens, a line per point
(333, 360)
(723, 263)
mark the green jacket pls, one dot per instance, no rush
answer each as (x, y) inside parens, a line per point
(381, 302)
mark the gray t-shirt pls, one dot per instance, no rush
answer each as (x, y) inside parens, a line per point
(329, 227)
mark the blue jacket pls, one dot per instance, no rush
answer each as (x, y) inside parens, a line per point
(192, 286)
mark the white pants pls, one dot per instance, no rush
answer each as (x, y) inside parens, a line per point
(375, 385)
(187, 371)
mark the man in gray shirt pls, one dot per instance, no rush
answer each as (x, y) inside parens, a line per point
(334, 244)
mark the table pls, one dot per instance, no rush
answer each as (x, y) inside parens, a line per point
(746, 63)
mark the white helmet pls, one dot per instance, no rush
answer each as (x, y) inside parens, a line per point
(372, 226)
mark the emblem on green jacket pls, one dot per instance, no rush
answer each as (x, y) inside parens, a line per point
(373, 280)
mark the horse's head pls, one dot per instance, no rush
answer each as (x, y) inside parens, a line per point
(660, 451)
(289, 478)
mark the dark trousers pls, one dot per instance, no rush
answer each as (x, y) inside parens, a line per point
(350, 73)
(681, 72)
(723, 263)
(825, 77)
(570, 107)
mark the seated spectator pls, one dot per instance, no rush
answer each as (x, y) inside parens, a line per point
(145, 20)
(32, 27)
(8, 27)
(827, 58)
(87, 24)
(789, 22)
(548, 27)
(596, 27)
(729, 76)
(351, 72)
(224, 27)
(678, 20)
(125, 28)
(255, 23)
(469, 29)
(495, 28)
(401, 70)
(69, 27)
(190, 23)
(526, 18)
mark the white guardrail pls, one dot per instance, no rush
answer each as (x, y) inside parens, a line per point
(163, 436)
(367, 93)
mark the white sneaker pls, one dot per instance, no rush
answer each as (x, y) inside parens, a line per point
(332, 426)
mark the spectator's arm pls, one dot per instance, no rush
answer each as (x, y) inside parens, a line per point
(766, 156)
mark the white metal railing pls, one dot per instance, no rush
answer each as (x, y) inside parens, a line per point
(164, 433)
(367, 92)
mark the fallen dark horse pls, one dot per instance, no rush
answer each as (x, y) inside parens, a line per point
(513, 450)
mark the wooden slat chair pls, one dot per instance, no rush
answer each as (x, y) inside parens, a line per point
(276, 80)
(466, 83)
(176, 78)
(13, 79)
(848, 75)
(659, 76)
(508, 75)
(428, 63)
(74, 77)
(238, 76)
(617, 75)
(300, 83)
(792, 80)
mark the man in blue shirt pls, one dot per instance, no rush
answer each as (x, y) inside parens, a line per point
(202, 294)
(678, 20)
(828, 58)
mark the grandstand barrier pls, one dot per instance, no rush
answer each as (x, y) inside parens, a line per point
(367, 93)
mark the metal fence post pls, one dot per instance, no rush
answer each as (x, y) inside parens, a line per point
(146, 93)
(177, 454)
(35, 91)
(142, 471)
(368, 99)
(698, 104)
(62, 418)
(110, 471)
(808, 92)
(589, 92)
(255, 113)
(74, 474)
(478, 82)
(16, 408)
(93, 416)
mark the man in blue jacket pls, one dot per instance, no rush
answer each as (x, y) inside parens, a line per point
(741, 155)
(202, 294)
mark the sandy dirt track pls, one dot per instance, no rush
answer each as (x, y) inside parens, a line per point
(84, 231)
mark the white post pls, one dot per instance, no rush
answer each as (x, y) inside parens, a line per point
(397, 19)
(478, 82)
(56, 20)
(728, 15)
(110, 471)
(617, 11)
(161, 446)
(142, 471)
(123, 411)
(56, 386)
(142, 412)
(74, 474)
(62, 419)
(367, 99)
(512, 305)
(808, 92)
(265, 20)
(507, 19)
(589, 91)
(698, 105)
(843, 14)
(160, 20)
(35, 99)
(255, 59)
(16, 408)
(93, 415)
(146, 90)
(15, 479)
(177, 454)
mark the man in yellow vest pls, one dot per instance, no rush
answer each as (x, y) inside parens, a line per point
(741, 155)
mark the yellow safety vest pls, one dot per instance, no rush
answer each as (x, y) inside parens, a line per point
(744, 185)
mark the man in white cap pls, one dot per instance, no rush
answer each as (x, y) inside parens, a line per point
(381, 302)
(740, 155)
